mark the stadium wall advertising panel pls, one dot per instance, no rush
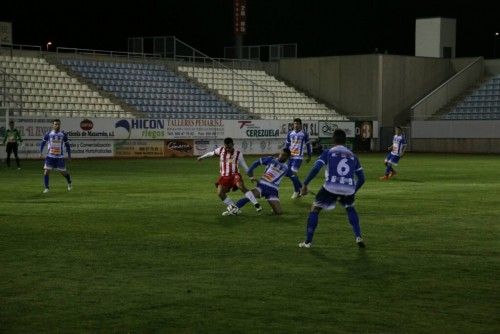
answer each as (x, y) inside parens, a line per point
(104, 137)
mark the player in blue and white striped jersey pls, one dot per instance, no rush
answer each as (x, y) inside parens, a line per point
(343, 178)
(56, 140)
(397, 149)
(295, 141)
(269, 183)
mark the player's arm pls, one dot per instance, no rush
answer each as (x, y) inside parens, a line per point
(360, 175)
(206, 155)
(308, 147)
(4, 137)
(312, 174)
(254, 165)
(403, 148)
(287, 141)
(250, 170)
(19, 138)
(66, 144)
(242, 162)
(42, 144)
(314, 171)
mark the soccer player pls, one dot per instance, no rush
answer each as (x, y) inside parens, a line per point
(340, 185)
(12, 138)
(55, 140)
(230, 177)
(295, 141)
(269, 183)
(397, 149)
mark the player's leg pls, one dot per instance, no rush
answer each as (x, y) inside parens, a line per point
(14, 150)
(222, 193)
(50, 163)
(46, 174)
(324, 200)
(388, 167)
(243, 201)
(61, 167)
(68, 179)
(297, 185)
(272, 196)
(9, 152)
(276, 206)
(394, 162)
(224, 186)
(248, 194)
(352, 216)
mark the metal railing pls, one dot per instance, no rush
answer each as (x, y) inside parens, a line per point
(196, 57)
(11, 48)
(447, 91)
(11, 91)
(119, 54)
(258, 52)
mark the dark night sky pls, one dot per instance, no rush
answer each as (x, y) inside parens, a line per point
(320, 28)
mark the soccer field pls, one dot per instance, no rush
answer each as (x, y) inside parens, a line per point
(141, 246)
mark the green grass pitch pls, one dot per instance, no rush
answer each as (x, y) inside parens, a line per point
(141, 246)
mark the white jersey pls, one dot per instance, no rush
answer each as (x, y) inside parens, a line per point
(398, 144)
(229, 162)
(56, 142)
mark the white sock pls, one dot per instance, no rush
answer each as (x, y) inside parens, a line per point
(228, 201)
(251, 197)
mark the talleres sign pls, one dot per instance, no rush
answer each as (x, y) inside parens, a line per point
(253, 129)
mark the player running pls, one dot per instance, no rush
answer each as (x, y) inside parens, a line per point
(230, 177)
(269, 183)
(397, 149)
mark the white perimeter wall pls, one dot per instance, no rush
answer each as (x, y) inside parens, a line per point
(455, 129)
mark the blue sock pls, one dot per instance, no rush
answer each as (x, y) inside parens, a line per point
(312, 222)
(354, 221)
(296, 183)
(46, 181)
(68, 178)
(242, 202)
(388, 169)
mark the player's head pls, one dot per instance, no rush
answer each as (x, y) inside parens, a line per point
(229, 144)
(56, 124)
(339, 137)
(284, 155)
(297, 124)
(398, 130)
(11, 124)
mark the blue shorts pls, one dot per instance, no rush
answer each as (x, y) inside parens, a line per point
(294, 164)
(326, 200)
(269, 193)
(54, 163)
(392, 159)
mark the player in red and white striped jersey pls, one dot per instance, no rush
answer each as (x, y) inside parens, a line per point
(230, 177)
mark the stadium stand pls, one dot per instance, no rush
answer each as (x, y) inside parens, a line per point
(154, 90)
(85, 86)
(260, 93)
(482, 104)
(39, 88)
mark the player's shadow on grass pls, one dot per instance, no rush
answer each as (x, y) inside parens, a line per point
(362, 262)
(407, 180)
(36, 199)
